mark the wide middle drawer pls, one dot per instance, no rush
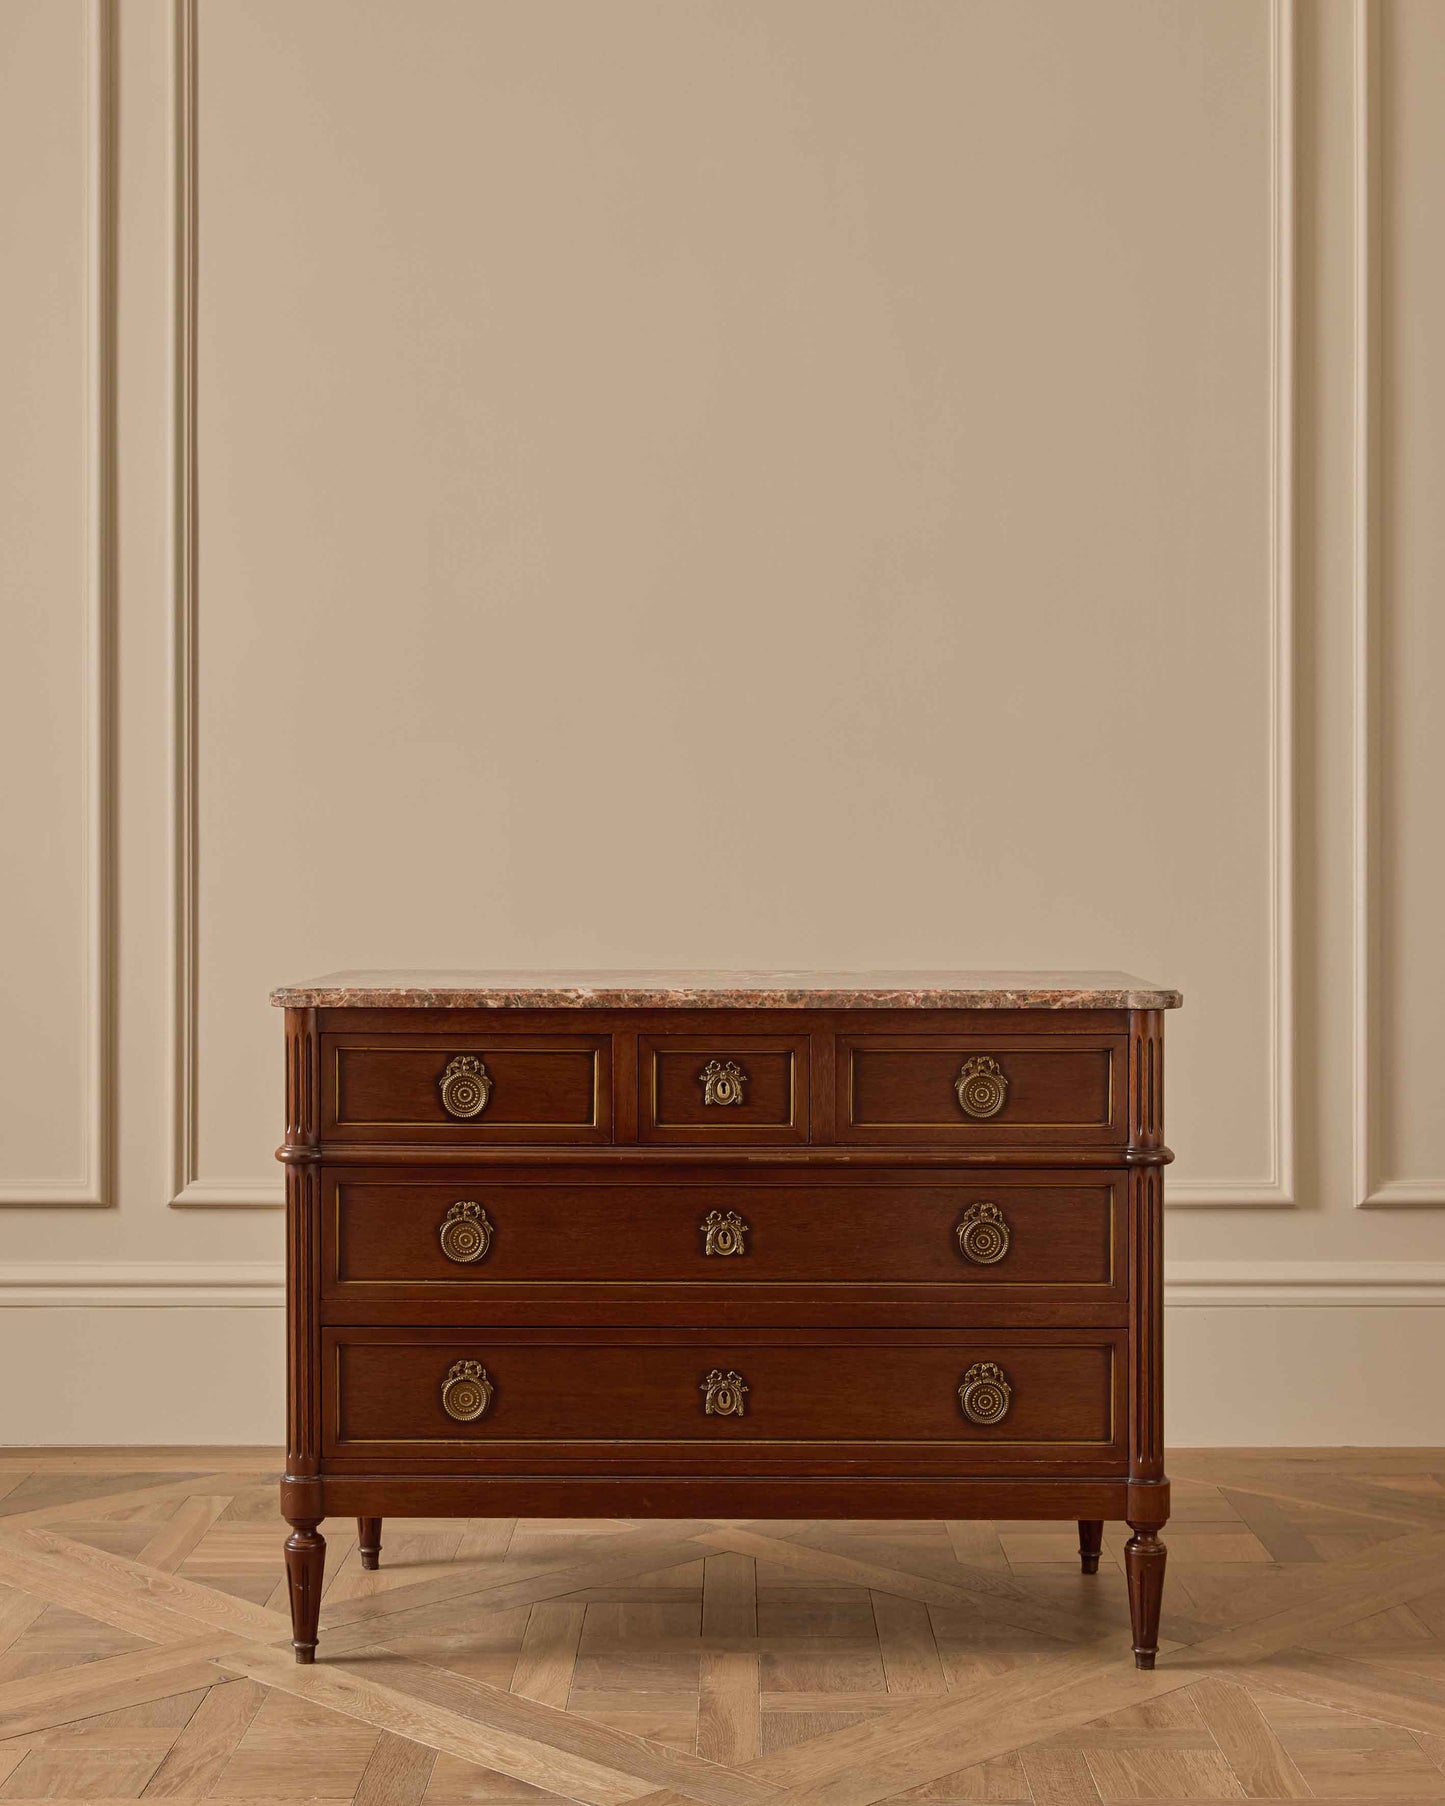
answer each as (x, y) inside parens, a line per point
(390, 1235)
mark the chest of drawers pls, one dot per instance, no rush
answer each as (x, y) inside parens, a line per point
(773, 1245)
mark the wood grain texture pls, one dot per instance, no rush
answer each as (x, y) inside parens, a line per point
(865, 1336)
(771, 1663)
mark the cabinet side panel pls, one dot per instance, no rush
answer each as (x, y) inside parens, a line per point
(1146, 1140)
(300, 1491)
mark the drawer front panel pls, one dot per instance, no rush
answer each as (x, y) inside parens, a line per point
(956, 1091)
(1010, 1237)
(973, 1398)
(505, 1088)
(723, 1089)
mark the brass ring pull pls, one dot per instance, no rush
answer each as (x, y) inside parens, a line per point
(466, 1086)
(722, 1082)
(466, 1391)
(723, 1394)
(981, 1086)
(983, 1234)
(723, 1233)
(465, 1233)
(984, 1395)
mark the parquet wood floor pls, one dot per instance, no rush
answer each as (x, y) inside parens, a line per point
(144, 1649)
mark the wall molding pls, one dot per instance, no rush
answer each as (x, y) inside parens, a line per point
(1312, 1284)
(188, 1189)
(1372, 1192)
(94, 1187)
(1188, 1284)
(144, 1284)
(1277, 1188)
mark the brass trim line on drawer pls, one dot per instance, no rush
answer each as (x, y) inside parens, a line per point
(327, 1149)
(1106, 1121)
(1023, 1285)
(691, 1443)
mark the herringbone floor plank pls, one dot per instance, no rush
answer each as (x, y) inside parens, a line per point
(144, 1649)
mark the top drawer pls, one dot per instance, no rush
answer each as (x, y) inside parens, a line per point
(982, 1091)
(504, 1088)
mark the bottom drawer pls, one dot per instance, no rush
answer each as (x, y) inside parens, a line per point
(734, 1401)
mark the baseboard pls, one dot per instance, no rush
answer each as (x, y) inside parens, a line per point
(142, 1284)
(188, 1284)
(1274, 1355)
(1311, 1283)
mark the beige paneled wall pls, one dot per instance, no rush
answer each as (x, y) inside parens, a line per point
(805, 482)
(54, 684)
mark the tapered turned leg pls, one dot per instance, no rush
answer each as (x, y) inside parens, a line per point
(1091, 1541)
(368, 1536)
(305, 1564)
(1144, 1557)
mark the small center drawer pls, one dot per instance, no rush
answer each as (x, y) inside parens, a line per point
(502, 1088)
(1052, 1236)
(723, 1089)
(979, 1398)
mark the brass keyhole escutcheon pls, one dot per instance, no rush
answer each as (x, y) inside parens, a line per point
(723, 1232)
(466, 1391)
(722, 1082)
(985, 1394)
(723, 1394)
(465, 1233)
(983, 1234)
(981, 1086)
(466, 1087)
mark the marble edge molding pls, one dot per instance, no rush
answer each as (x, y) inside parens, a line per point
(744, 993)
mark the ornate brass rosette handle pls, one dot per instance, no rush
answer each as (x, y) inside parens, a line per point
(465, 1233)
(724, 1232)
(983, 1234)
(723, 1394)
(981, 1086)
(722, 1082)
(466, 1087)
(984, 1394)
(466, 1391)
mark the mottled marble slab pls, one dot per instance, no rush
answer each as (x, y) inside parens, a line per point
(729, 990)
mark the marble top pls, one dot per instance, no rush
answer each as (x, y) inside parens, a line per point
(728, 990)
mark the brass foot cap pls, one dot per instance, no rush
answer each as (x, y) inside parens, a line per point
(371, 1561)
(303, 1654)
(1144, 1658)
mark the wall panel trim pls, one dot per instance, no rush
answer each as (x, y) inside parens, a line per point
(187, 1188)
(1372, 1192)
(94, 1187)
(1276, 1189)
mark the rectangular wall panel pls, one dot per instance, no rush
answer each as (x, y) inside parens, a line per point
(53, 679)
(737, 485)
(1407, 899)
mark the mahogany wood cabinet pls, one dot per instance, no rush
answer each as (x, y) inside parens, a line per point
(774, 1245)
